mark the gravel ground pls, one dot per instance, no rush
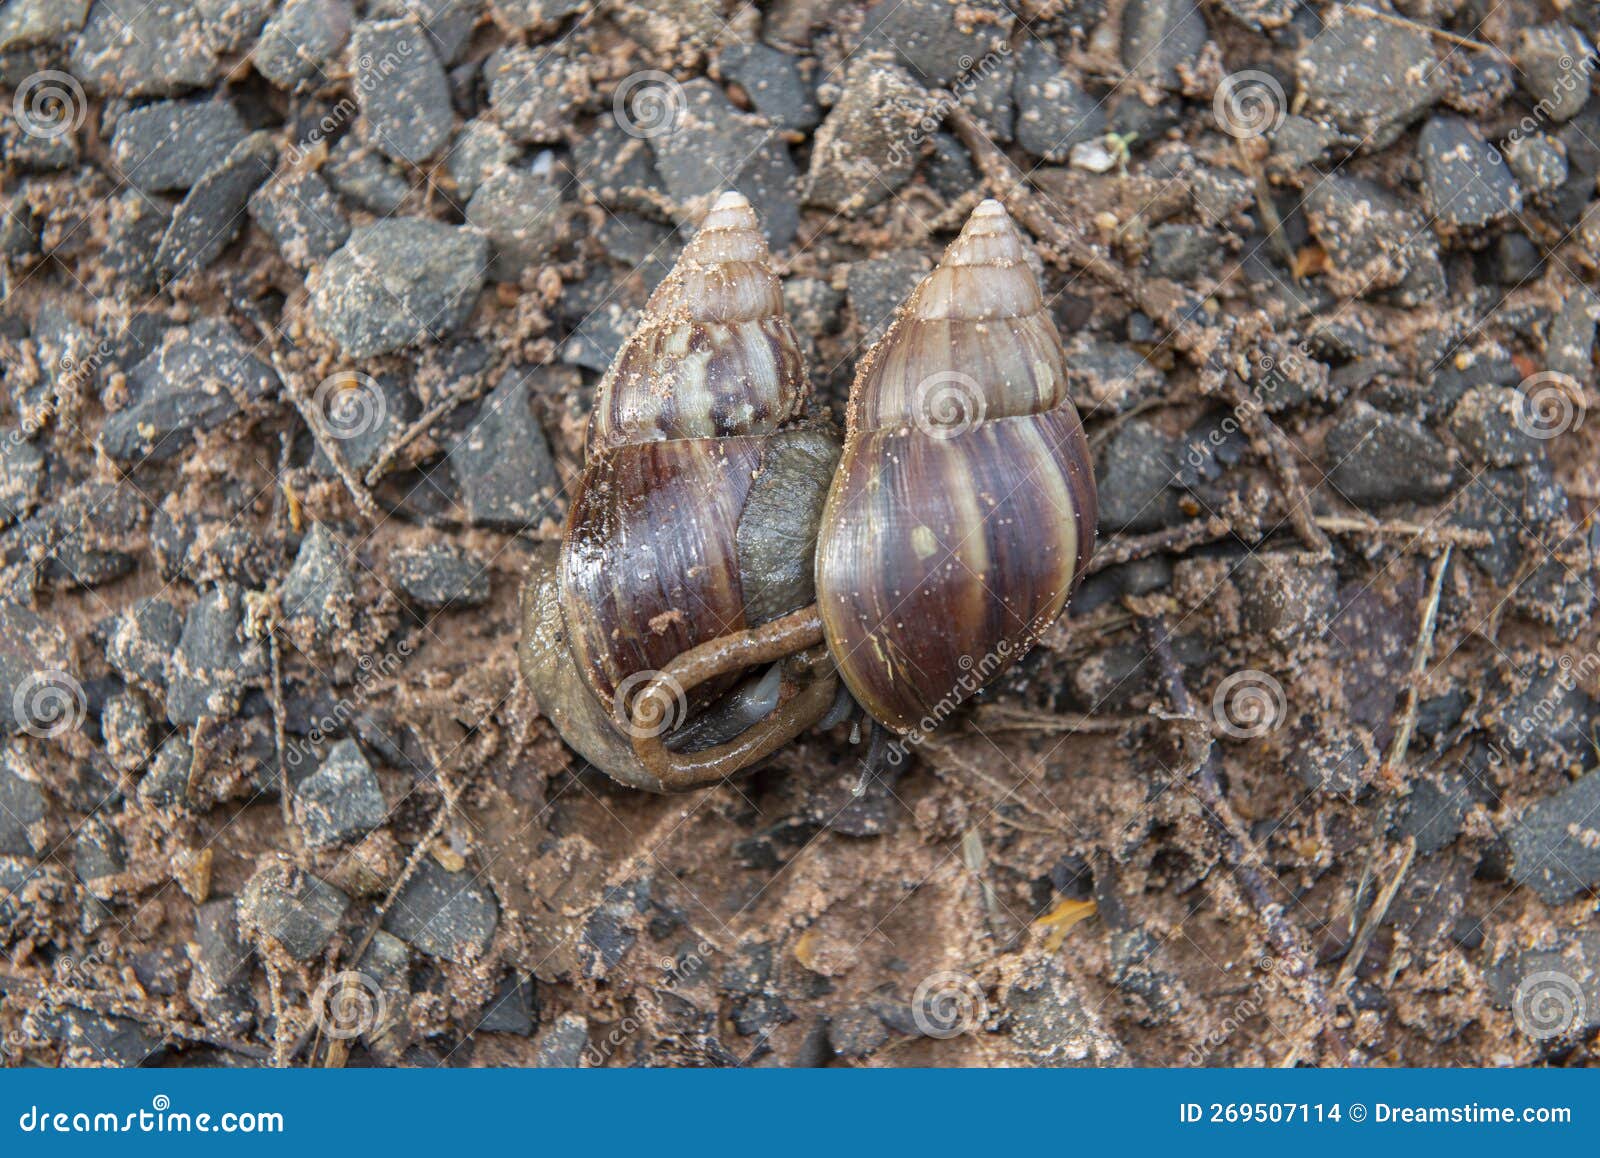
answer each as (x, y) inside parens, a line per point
(304, 304)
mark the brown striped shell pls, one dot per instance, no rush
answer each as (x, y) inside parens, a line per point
(696, 514)
(963, 512)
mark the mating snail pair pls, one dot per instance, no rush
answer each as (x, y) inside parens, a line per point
(731, 576)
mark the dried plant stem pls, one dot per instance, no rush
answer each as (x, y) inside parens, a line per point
(1239, 847)
(1375, 916)
(1395, 759)
(328, 444)
(455, 396)
(1402, 22)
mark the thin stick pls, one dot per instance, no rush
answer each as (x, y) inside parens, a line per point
(1239, 847)
(1420, 655)
(1401, 22)
(457, 394)
(1427, 537)
(1375, 916)
(1168, 540)
(325, 441)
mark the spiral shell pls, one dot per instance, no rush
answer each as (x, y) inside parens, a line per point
(696, 515)
(963, 511)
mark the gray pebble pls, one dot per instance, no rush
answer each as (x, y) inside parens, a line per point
(133, 237)
(1553, 65)
(22, 815)
(564, 1044)
(1492, 422)
(938, 41)
(219, 977)
(402, 90)
(1569, 343)
(211, 215)
(172, 144)
(444, 914)
(233, 25)
(30, 649)
(1050, 1022)
(1555, 843)
(299, 45)
(398, 282)
(298, 911)
(448, 23)
(1183, 252)
(21, 476)
(440, 575)
(1298, 142)
(301, 215)
(772, 81)
(1160, 36)
(512, 1009)
(143, 641)
(126, 728)
(166, 781)
(1503, 503)
(1135, 477)
(857, 1033)
(1370, 78)
(1284, 599)
(481, 149)
(879, 286)
(212, 664)
(535, 92)
(1054, 112)
(363, 176)
(1373, 241)
(1467, 183)
(143, 48)
(501, 463)
(28, 22)
(319, 587)
(1539, 162)
(202, 376)
(1106, 378)
(1435, 811)
(1376, 458)
(518, 211)
(99, 854)
(866, 147)
(610, 163)
(341, 800)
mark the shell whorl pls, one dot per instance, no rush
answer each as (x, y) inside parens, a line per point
(975, 334)
(963, 510)
(714, 354)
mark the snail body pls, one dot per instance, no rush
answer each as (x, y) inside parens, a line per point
(695, 519)
(963, 511)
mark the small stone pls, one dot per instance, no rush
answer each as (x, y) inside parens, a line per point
(564, 1044)
(1547, 723)
(1261, 15)
(1480, 82)
(22, 816)
(341, 800)
(33, 660)
(865, 148)
(938, 41)
(1435, 811)
(1107, 378)
(1492, 423)
(212, 665)
(233, 25)
(772, 81)
(1539, 162)
(302, 216)
(21, 476)
(172, 144)
(402, 90)
(398, 282)
(364, 176)
(1373, 240)
(1054, 112)
(211, 215)
(1183, 252)
(502, 462)
(1161, 36)
(98, 855)
(879, 286)
(219, 980)
(518, 211)
(535, 92)
(1569, 343)
(440, 575)
(1298, 142)
(1376, 458)
(714, 146)
(1467, 183)
(298, 911)
(299, 45)
(137, 225)
(857, 1033)
(125, 725)
(24, 23)
(1283, 599)
(94, 1040)
(1135, 477)
(202, 376)
(166, 781)
(444, 914)
(1554, 992)
(1515, 259)
(1503, 503)
(481, 150)
(615, 166)
(1050, 1022)
(1555, 843)
(142, 644)
(319, 589)
(140, 48)
(1554, 66)
(1370, 77)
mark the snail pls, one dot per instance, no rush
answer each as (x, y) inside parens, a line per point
(963, 512)
(690, 534)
